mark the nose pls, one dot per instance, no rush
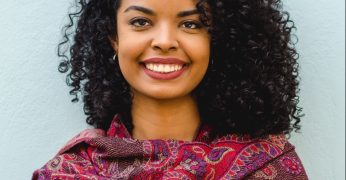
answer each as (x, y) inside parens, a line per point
(165, 39)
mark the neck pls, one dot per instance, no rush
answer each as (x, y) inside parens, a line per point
(164, 119)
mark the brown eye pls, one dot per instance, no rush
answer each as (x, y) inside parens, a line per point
(140, 22)
(191, 25)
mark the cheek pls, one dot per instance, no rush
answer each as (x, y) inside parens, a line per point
(198, 50)
(201, 54)
(130, 47)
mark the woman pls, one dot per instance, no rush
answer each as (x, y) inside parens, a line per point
(181, 89)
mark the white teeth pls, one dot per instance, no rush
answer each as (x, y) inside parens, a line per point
(163, 68)
(167, 69)
(176, 67)
(160, 68)
(156, 68)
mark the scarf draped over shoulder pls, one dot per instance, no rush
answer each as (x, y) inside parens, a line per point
(100, 155)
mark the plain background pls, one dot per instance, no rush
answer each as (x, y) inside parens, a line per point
(37, 117)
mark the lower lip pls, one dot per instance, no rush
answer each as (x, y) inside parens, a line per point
(164, 76)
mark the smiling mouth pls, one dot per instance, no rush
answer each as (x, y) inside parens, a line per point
(164, 68)
(164, 71)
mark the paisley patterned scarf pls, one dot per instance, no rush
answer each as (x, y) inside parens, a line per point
(96, 154)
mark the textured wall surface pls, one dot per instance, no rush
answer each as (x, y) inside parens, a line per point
(37, 117)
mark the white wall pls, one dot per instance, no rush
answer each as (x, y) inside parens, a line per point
(37, 118)
(321, 31)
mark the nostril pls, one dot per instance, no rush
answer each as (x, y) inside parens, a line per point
(157, 47)
(165, 45)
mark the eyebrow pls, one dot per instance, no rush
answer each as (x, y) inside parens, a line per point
(187, 13)
(152, 13)
(141, 9)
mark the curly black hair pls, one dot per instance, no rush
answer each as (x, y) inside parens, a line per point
(251, 84)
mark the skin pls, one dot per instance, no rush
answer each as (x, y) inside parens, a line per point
(162, 109)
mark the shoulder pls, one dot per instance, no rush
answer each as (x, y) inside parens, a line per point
(271, 157)
(287, 165)
(83, 136)
(73, 160)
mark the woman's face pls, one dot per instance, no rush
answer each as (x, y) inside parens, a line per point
(162, 47)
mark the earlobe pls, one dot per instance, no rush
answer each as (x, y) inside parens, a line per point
(114, 43)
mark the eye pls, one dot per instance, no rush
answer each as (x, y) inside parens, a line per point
(191, 25)
(140, 22)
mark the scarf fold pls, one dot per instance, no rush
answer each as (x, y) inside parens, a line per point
(96, 154)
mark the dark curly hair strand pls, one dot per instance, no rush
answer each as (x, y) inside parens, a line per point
(250, 87)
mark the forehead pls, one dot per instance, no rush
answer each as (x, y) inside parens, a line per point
(160, 5)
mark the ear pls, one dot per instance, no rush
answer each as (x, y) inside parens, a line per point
(114, 43)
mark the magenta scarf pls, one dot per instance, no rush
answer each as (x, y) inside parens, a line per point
(96, 154)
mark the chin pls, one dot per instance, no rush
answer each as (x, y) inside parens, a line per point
(167, 95)
(163, 93)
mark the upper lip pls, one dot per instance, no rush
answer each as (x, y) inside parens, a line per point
(157, 60)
